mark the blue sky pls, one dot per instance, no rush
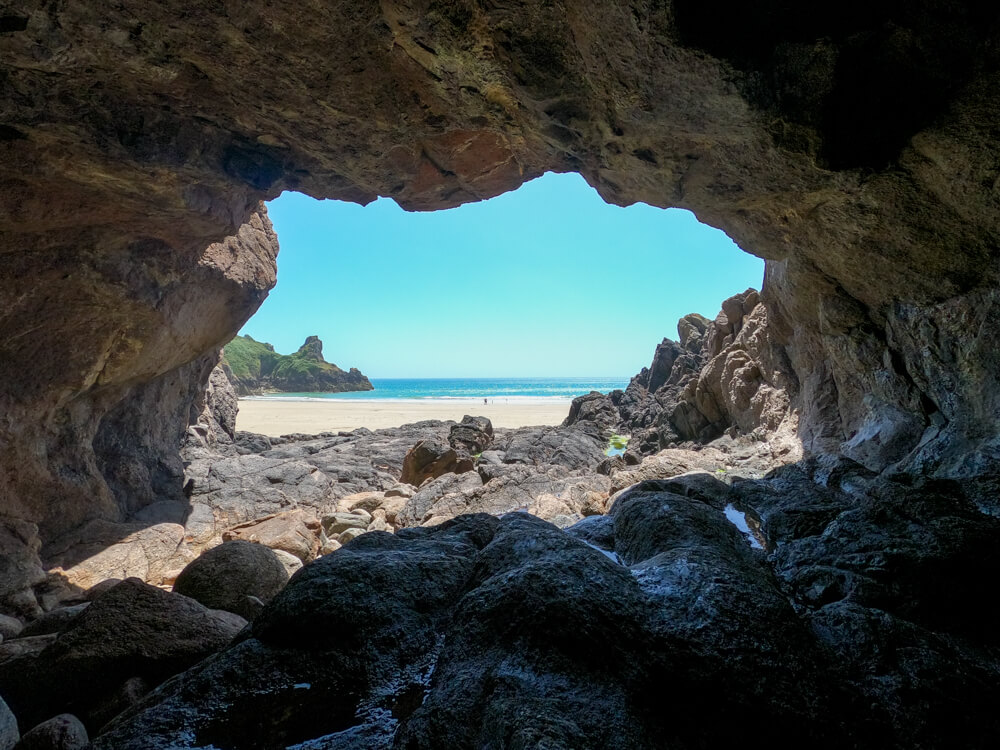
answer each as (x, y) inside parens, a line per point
(547, 280)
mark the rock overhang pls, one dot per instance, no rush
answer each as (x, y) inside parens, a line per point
(133, 140)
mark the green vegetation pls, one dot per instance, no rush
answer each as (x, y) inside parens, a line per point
(248, 358)
(616, 445)
(255, 367)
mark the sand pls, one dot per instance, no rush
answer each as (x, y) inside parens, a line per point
(310, 417)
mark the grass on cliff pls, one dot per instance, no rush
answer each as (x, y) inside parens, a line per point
(252, 359)
(248, 358)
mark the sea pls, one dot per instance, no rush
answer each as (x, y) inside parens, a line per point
(467, 390)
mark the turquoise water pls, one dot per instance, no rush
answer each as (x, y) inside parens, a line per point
(498, 390)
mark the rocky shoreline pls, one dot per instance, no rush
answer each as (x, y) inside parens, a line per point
(380, 587)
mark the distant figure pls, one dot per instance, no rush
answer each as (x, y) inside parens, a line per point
(484, 401)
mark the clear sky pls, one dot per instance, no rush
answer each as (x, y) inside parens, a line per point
(544, 281)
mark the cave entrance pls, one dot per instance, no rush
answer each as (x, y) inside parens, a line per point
(545, 283)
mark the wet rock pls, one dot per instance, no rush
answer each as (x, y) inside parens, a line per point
(225, 576)
(473, 435)
(62, 732)
(132, 630)
(315, 641)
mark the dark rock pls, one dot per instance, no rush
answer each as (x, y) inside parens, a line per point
(429, 460)
(132, 630)
(573, 448)
(10, 627)
(595, 408)
(225, 576)
(328, 646)
(9, 735)
(472, 435)
(62, 732)
(54, 621)
(249, 442)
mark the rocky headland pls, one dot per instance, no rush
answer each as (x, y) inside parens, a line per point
(254, 368)
(836, 600)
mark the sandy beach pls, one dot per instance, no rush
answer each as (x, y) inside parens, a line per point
(283, 417)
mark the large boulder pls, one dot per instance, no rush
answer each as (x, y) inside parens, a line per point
(235, 576)
(133, 630)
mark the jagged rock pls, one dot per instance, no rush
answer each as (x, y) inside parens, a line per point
(132, 630)
(9, 735)
(595, 408)
(472, 435)
(62, 732)
(429, 460)
(294, 531)
(225, 576)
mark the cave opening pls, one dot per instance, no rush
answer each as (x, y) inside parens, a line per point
(545, 283)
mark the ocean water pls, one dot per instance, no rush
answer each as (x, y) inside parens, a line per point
(468, 390)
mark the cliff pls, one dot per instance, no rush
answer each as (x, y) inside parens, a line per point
(254, 367)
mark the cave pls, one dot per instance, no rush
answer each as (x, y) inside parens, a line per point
(855, 149)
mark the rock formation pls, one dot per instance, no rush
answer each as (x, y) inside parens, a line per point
(731, 376)
(852, 146)
(254, 368)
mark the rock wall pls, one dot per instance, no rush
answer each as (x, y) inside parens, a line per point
(854, 148)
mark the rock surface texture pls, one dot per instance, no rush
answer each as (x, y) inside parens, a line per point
(852, 146)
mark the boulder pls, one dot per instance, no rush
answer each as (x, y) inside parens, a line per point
(133, 630)
(429, 460)
(472, 435)
(62, 732)
(225, 576)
